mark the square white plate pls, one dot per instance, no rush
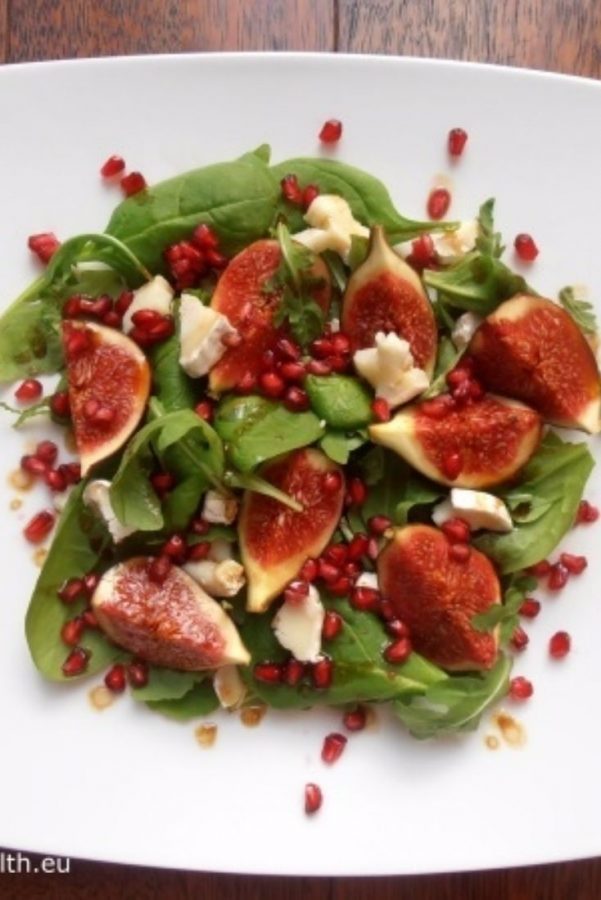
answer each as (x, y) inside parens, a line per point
(129, 786)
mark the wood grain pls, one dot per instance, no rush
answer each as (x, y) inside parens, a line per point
(560, 35)
(3, 30)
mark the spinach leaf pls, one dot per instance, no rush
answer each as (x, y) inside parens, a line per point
(255, 430)
(70, 556)
(200, 700)
(454, 705)
(339, 445)
(341, 400)
(238, 199)
(394, 488)
(250, 481)
(581, 311)
(368, 198)
(166, 684)
(506, 614)
(554, 479)
(172, 387)
(294, 281)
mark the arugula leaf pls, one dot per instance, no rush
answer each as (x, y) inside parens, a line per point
(255, 430)
(478, 283)
(294, 281)
(250, 481)
(166, 684)
(200, 700)
(581, 311)
(489, 242)
(341, 400)
(506, 614)
(555, 479)
(394, 488)
(339, 445)
(447, 359)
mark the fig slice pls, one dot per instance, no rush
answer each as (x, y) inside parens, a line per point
(275, 541)
(437, 596)
(531, 349)
(480, 445)
(241, 295)
(109, 383)
(173, 624)
(385, 294)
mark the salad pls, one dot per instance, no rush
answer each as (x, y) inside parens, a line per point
(313, 456)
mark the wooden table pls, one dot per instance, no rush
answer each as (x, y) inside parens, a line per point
(562, 35)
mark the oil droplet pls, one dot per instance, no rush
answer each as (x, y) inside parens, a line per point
(251, 716)
(70, 443)
(39, 556)
(206, 735)
(101, 697)
(492, 741)
(21, 480)
(15, 503)
(512, 731)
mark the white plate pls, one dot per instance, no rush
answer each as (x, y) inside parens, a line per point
(129, 786)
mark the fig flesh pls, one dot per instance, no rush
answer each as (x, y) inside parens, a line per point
(386, 295)
(531, 349)
(242, 295)
(477, 446)
(275, 541)
(437, 596)
(174, 623)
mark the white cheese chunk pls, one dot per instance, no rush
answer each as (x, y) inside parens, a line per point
(156, 294)
(229, 687)
(218, 579)
(477, 508)
(368, 580)
(332, 226)
(389, 369)
(464, 329)
(201, 334)
(96, 495)
(449, 246)
(297, 626)
(219, 509)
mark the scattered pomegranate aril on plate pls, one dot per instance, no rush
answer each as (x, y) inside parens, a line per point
(72, 631)
(71, 591)
(456, 141)
(587, 513)
(76, 663)
(44, 245)
(530, 608)
(558, 577)
(29, 391)
(520, 688)
(333, 747)
(525, 247)
(39, 527)
(574, 564)
(313, 799)
(114, 165)
(560, 644)
(133, 183)
(540, 569)
(331, 131)
(355, 719)
(519, 639)
(115, 679)
(438, 204)
(138, 674)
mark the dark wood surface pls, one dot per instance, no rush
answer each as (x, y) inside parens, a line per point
(560, 35)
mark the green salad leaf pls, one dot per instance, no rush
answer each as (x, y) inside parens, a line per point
(342, 401)
(166, 684)
(294, 282)
(200, 700)
(339, 445)
(394, 489)
(172, 387)
(581, 311)
(489, 242)
(506, 614)
(447, 359)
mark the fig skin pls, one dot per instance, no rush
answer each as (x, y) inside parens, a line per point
(275, 541)
(173, 624)
(240, 296)
(437, 596)
(495, 438)
(531, 349)
(385, 294)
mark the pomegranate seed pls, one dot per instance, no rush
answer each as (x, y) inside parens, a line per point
(159, 569)
(47, 451)
(574, 564)
(380, 409)
(340, 587)
(328, 572)
(559, 645)
(76, 662)
(288, 350)
(199, 551)
(313, 798)
(519, 639)
(292, 371)
(373, 549)
(133, 183)
(77, 342)
(72, 631)
(29, 391)
(199, 526)
(271, 384)
(296, 592)
(98, 414)
(386, 611)
(296, 400)
(457, 140)
(270, 673)
(438, 203)
(456, 530)
(333, 747)
(379, 524)
(72, 307)
(309, 570)
(38, 528)
(33, 465)
(357, 492)
(331, 131)
(540, 569)
(293, 673)
(90, 620)
(452, 465)
(586, 513)
(71, 591)
(355, 719)
(352, 570)
(44, 245)
(97, 308)
(423, 254)
(365, 599)
(530, 608)
(90, 583)
(59, 404)
(55, 480)
(147, 318)
(113, 166)
(397, 629)
(336, 554)
(71, 472)
(291, 190)
(309, 195)
(115, 678)
(358, 546)
(319, 367)
(112, 319)
(322, 348)
(175, 547)
(247, 383)
(525, 247)
(321, 673)
(332, 625)
(205, 238)
(397, 652)
(163, 482)
(457, 376)
(123, 302)
(205, 410)
(439, 407)
(558, 577)
(332, 482)
(138, 674)
(520, 688)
